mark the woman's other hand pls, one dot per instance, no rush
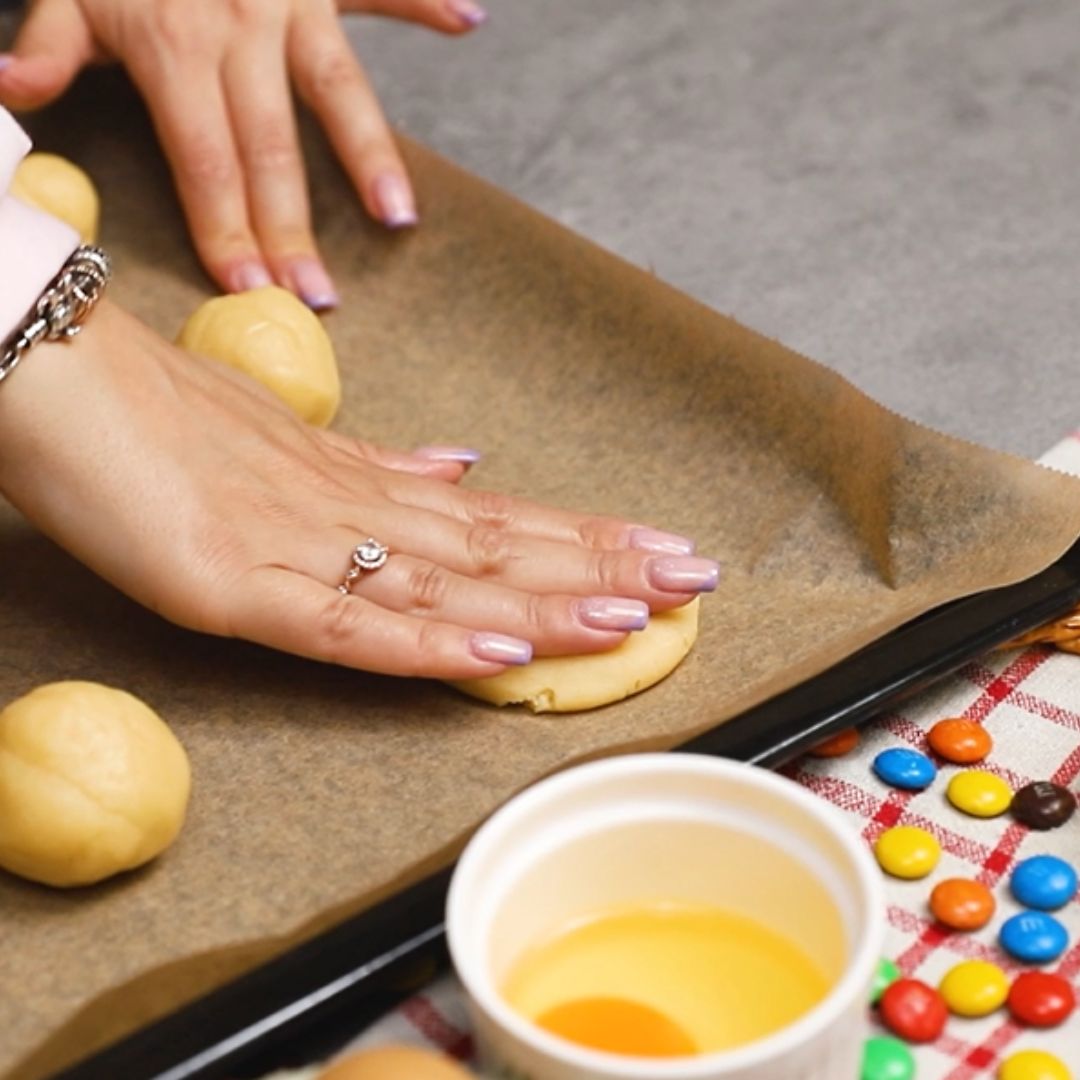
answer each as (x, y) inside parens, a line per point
(217, 78)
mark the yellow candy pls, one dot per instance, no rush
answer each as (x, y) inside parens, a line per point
(974, 988)
(979, 793)
(907, 852)
(1033, 1065)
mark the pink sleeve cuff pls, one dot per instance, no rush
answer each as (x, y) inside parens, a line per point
(14, 146)
(33, 245)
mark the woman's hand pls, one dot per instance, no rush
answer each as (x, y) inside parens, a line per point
(200, 496)
(216, 76)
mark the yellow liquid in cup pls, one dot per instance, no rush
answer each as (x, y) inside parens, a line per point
(665, 980)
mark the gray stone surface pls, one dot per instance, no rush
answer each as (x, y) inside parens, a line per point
(892, 188)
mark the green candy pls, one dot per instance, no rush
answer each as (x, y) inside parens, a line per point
(886, 1058)
(886, 974)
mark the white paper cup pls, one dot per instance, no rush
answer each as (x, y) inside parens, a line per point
(662, 827)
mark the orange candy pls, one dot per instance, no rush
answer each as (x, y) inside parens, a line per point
(962, 904)
(843, 742)
(959, 741)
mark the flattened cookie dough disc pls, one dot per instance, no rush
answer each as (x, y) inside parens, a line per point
(575, 683)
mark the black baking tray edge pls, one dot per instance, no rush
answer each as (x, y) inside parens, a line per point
(301, 1005)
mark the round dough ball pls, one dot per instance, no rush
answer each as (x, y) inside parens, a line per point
(92, 782)
(59, 187)
(395, 1063)
(574, 683)
(272, 336)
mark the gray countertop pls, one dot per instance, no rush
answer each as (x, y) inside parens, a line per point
(889, 186)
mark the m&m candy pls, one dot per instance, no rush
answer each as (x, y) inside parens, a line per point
(905, 769)
(1033, 1065)
(1040, 999)
(963, 742)
(1033, 937)
(906, 851)
(886, 1058)
(913, 1010)
(1043, 805)
(974, 988)
(979, 793)
(843, 742)
(886, 974)
(962, 904)
(1044, 882)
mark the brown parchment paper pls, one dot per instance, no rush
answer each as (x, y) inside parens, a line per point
(587, 383)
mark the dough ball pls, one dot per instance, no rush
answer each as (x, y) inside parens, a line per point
(272, 336)
(574, 683)
(92, 782)
(395, 1063)
(59, 187)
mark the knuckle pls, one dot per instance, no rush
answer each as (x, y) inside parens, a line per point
(429, 647)
(168, 29)
(426, 586)
(274, 149)
(605, 570)
(206, 163)
(490, 509)
(488, 549)
(536, 614)
(331, 73)
(339, 624)
(597, 533)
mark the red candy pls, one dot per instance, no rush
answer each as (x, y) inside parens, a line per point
(914, 1011)
(959, 741)
(1040, 999)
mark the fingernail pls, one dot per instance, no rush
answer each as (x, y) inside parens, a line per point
(394, 198)
(664, 543)
(467, 12)
(310, 281)
(461, 454)
(684, 573)
(249, 275)
(612, 613)
(500, 649)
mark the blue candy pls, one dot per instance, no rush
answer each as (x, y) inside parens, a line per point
(907, 769)
(1033, 937)
(1044, 882)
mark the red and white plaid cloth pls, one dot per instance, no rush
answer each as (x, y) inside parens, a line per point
(1030, 703)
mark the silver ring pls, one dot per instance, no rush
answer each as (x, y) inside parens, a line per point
(369, 555)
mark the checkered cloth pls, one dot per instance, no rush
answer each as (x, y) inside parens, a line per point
(1030, 703)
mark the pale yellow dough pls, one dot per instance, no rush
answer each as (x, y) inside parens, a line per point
(59, 187)
(395, 1063)
(92, 782)
(272, 336)
(575, 683)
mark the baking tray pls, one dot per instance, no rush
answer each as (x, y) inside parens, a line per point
(306, 1002)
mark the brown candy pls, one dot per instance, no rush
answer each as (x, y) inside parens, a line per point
(1043, 805)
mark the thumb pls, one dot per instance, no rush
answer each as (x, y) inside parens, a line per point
(53, 44)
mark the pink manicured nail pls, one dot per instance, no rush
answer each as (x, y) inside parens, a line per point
(500, 649)
(664, 543)
(467, 12)
(461, 454)
(248, 275)
(683, 573)
(612, 613)
(310, 281)
(394, 198)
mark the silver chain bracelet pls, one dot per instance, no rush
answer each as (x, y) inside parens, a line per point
(63, 306)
